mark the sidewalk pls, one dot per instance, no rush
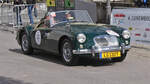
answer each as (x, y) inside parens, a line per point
(140, 46)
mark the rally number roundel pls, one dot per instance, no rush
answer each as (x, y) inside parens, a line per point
(38, 37)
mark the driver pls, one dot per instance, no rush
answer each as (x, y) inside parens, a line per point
(68, 16)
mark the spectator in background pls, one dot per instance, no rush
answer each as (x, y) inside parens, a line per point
(145, 2)
(17, 9)
(31, 5)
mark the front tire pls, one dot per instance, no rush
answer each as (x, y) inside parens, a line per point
(25, 44)
(66, 53)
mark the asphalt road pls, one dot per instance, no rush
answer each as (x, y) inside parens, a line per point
(45, 68)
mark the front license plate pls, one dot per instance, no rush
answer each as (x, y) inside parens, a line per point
(104, 55)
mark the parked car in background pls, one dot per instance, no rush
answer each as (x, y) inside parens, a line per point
(71, 34)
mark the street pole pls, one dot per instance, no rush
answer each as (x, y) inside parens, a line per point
(108, 11)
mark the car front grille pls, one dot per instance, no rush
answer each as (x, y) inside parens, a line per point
(101, 41)
(105, 40)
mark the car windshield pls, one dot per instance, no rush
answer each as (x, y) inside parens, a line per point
(70, 16)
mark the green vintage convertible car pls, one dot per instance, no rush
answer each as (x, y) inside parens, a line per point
(71, 34)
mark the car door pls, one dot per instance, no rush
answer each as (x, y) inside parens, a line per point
(50, 38)
(44, 37)
(48, 33)
(37, 35)
(53, 36)
(54, 31)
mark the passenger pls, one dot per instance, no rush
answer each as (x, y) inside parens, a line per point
(52, 20)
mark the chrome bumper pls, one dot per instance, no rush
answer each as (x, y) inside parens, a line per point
(95, 50)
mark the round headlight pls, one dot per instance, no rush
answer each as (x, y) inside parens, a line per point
(126, 34)
(81, 38)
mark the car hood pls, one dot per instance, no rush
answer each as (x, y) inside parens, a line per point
(93, 29)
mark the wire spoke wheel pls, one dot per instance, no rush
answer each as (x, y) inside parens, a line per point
(67, 52)
(25, 43)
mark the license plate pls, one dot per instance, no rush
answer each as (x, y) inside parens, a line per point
(104, 55)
